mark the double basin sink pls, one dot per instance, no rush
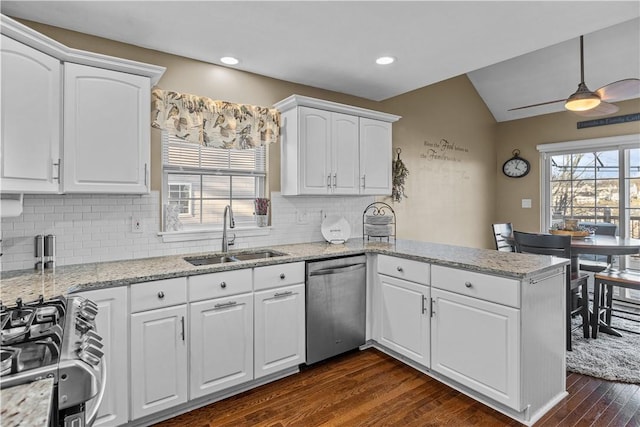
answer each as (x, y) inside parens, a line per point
(232, 257)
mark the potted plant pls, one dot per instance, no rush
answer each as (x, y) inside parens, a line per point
(262, 211)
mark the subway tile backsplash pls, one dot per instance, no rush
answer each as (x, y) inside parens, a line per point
(95, 228)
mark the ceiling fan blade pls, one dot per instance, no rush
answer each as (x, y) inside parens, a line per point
(622, 89)
(603, 109)
(537, 105)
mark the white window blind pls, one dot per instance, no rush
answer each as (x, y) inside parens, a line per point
(216, 177)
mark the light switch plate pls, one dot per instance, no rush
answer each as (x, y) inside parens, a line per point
(526, 203)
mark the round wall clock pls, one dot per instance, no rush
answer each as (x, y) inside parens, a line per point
(516, 167)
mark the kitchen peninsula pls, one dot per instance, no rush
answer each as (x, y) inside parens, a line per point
(467, 302)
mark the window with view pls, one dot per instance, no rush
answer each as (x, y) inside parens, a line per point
(203, 180)
(595, 181)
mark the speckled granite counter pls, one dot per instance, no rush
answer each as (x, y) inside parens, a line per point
(28, 284)
(27, 405)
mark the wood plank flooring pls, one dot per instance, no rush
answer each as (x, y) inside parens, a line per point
(369, 388)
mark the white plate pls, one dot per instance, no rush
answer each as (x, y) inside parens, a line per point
(335, 229)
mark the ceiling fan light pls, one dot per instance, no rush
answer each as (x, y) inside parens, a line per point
(582, 100)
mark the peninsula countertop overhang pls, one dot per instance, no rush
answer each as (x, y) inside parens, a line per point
(29, 284)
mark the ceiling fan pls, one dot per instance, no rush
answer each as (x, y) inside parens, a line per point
(586, 103)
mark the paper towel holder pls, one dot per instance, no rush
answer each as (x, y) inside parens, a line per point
(11, 205)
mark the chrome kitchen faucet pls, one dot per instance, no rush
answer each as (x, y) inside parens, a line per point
(232, 223)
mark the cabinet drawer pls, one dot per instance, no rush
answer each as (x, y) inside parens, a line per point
(215, 285)
(278, 275)
(406, 269)
(158, 294)
(490, 288)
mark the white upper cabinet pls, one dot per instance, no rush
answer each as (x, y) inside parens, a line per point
(330, 148)
(106, 131)
(31, 113)
(375, 157)
(72, 121)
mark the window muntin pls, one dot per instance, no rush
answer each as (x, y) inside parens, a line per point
(216, 178)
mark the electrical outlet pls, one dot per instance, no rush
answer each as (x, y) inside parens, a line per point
(302, 217)
(136, 225)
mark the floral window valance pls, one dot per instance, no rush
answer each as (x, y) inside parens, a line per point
(214, 123)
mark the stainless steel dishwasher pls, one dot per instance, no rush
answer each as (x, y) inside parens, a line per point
(336, 306)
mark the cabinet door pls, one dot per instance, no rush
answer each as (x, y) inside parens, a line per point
(375, 157)
(315, 151)
(158, 360)
(106, 131)
(31, 119)
(404, 318)
(344, 154)
(221, 344)
(280, 329)
(111, 321)
(476, 343)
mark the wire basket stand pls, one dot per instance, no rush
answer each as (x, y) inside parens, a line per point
(379, 222)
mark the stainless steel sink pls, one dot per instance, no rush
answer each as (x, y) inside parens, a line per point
(209, 260)
(232, 257)
(246, 256)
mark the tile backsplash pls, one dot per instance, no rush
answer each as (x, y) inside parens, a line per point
(95, 228)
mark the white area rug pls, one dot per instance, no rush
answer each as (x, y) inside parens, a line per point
(607, 357)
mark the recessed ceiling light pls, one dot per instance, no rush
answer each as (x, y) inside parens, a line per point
(229, 60)
(385, 60)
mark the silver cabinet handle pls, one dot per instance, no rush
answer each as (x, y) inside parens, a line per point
(364, 181)
(400, 269)
(282, 276)
(282, 294)
(226, 304)
(145, 175)
(223, 285)
(182, 322)
(160, 294)
(335, 180)
(57, 165)
(432, 310)
(424, 308)
(329, 181)
(468, 284)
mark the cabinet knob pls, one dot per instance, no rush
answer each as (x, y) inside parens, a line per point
(160, 294)
(282, 276)
(223, 285)
(467, 284)
(400, 269)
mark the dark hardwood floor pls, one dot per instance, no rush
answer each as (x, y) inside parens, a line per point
(369, 388)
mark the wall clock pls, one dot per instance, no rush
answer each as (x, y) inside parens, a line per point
(516, 167)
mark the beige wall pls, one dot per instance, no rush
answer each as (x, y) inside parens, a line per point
(450, 200)
(525, 135)
(450, 187)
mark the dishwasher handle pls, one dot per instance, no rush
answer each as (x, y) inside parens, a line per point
(337, 270)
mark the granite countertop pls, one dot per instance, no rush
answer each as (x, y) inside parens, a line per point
(28, 404)
(29, 284)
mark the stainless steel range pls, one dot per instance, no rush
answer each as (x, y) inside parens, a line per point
(56, 338)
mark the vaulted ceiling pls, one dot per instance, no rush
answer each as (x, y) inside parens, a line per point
(514, 52)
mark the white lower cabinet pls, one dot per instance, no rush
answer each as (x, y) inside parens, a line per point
(111, 321)
(221, 348)
(159, 371)
(476, 343)
(279, 329)
(404, 318)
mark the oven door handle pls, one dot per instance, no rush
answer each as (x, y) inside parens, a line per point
(91, 417)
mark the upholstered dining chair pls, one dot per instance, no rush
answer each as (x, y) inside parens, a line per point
(560, 246)
(499, 230)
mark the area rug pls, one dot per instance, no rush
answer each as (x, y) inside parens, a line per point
(607, 357)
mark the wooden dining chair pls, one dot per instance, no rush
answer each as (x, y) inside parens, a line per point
(500, 230)
(598, 263)
(560, 246)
